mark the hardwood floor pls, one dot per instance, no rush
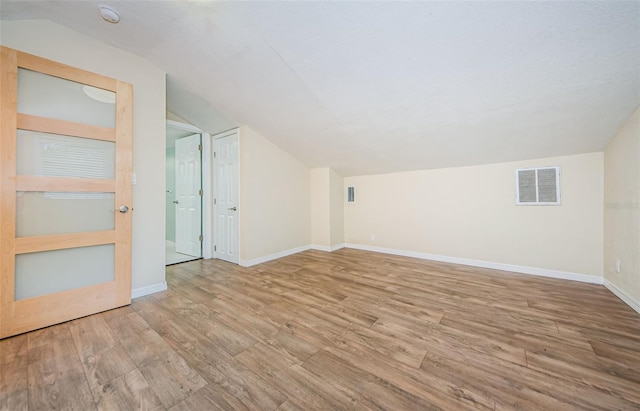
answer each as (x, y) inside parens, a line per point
(348, 330)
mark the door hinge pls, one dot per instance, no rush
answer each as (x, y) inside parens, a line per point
(199, 147)
(214, 154)
(200, 192)
(215, 248)
(200, 237)
(214, 201)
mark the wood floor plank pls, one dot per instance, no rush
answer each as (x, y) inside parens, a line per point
(107, 365)
(13, 374)
(172, 378)
(616, 353)
(12, 347)
(142, 343)
(216, 366)
(130, 391)
(295, 381)
(210, 397)
(437, 392)
(375, 393)
(430, 336)
(71, 393)
(584, 373)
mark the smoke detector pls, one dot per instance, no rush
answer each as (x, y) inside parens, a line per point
(109, 14)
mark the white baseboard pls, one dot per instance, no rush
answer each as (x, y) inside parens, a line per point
(274, 256)
(280, 254)
(338, 246)
(149, 289)
(622, 295)
(327, 248)
(320, 247)
(543, 272)
(484, 264)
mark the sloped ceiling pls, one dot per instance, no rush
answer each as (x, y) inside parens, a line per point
(373, 87)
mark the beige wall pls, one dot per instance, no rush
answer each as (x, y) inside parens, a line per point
(469, 213)
(327, 209)
(52, 41)
(336, 206)
(274, 198)
(622, 208)
(320, 208)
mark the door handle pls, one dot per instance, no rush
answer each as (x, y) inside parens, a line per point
(175, 201)
(123, 209)
(232, 208)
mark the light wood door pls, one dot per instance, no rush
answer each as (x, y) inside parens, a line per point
(226, 226)
(65, 184)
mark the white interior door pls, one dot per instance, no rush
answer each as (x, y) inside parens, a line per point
(188, 189)
(225, 174)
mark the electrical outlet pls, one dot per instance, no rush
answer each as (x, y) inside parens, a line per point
(372, 237)
(618, 265)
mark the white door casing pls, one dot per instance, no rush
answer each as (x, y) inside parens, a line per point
(188, 196)
(225, 174)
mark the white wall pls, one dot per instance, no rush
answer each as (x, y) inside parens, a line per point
(274, 199)
(469, 213)
(622, 209)
(55, 42)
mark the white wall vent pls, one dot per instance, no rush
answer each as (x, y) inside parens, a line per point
(351, 194)
(538, 186)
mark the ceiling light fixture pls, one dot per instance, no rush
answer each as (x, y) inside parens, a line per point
(109, 14)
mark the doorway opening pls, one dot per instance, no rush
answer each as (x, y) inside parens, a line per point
(184, 193)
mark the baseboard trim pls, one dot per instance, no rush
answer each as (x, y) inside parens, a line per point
(274, 256)
(327, 248)
(338, 246)
(542, 272)
(149, 289)
(622, 295)
(564, 275)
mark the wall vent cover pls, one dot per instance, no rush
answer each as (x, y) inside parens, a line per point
(538, 186)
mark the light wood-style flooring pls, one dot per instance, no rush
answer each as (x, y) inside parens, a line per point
(348, 330)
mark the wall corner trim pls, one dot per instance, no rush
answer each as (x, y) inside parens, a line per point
(280, 254)
(327, 248)
(274, 256)
(148, 289)
(338, 246)
(622, 295)
(543, 272)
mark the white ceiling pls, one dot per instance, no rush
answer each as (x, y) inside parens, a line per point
(372, 87)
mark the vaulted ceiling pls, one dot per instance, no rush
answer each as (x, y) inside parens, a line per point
(371, 87)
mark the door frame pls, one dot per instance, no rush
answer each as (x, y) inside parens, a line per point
(235, 130)
(207, 190)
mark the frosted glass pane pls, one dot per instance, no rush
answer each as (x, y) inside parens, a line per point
(43, 154)
(44, 213)
(54, 271)
(47, 96)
